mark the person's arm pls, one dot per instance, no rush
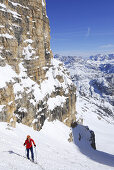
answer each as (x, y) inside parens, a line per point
(25, 143)
(33, 142)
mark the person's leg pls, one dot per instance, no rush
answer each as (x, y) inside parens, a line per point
(28, 153)
(32, 154)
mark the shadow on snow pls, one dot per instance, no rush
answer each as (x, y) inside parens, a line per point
(95, 155)
(12, 152)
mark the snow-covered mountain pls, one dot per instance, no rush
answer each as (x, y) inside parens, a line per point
(33, 85)
(95, 101)
(94, 80)
(106, 62)
(54, 151)
(101, 57)
(36, 90)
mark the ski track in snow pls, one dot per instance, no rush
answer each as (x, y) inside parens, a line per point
(54, 152)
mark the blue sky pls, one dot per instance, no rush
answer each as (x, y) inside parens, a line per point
(81, 27)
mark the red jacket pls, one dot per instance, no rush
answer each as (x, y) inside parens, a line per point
(29, 142)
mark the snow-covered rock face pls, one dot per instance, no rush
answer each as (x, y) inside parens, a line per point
(33, 85)
(94, 80)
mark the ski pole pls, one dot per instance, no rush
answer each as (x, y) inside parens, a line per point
(36, 154)
(25, 152)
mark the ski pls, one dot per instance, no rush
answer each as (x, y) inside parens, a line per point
(36, 163)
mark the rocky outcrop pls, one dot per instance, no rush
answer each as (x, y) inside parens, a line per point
(83, 137)
(7, 104)
(34, 85)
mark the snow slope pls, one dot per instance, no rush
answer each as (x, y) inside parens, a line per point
(54, 152)
(102, 127)
(93, 109)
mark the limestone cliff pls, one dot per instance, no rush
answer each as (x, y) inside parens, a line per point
(33, 85)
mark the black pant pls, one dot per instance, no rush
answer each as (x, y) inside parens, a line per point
(32, 154)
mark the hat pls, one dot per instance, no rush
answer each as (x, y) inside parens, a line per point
(28, 136)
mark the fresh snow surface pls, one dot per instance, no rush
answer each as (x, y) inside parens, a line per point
(28, 52)
(28, 41)
(6, 75)
(54, 152)
(56, 101)
(1, 107)
(1, 26)
(17, 4)
(43, 3)
(6, 9)
(7, 36)
(90, 104)
(102, 127)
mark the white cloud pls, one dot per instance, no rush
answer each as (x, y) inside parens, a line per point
(88, 32)
(83, 53)
(107, 46)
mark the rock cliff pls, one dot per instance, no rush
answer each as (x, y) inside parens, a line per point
(33, 85)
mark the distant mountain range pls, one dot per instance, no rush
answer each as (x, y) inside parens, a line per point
(94, 80)
(101, 57)
(106, 62)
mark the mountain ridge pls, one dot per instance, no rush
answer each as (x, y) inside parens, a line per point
(92, 82)
(31, 80)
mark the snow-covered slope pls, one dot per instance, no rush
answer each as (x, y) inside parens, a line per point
(94, 80)
(54, 152)
(95, 96)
